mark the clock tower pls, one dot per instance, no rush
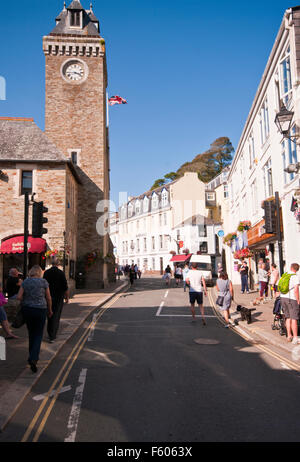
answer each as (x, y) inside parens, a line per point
(75, 119)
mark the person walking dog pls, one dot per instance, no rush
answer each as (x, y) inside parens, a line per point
(59, 292)
(35, 297)
(225, 291)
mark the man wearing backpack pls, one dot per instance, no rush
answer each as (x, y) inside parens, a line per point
(290, 300)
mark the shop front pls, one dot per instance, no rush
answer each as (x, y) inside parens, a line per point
(12, 254)
(262, 246)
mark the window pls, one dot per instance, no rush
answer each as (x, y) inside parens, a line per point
(211, 196)
(138, 245)
(203, 247)
(164, 198)
(153, 264)
(268, 180)
(145, 244)
(202, 230)
(161, 243)
(154, 202)
(26, 185)
(286, 78)
(130, 210)
(137, 208)
(160, 219)
(165, 219)
(251, 151)
(226, 191)
(74, 157)
(146, 205)
(254, 197)
(289, 155)
(75, 19)
(123, 213)
(153, 243)
(264, 122)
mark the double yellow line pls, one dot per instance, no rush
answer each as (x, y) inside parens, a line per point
(64, 373)
(291, 364)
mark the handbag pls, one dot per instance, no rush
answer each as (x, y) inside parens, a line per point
(220, 300)
(19, 320)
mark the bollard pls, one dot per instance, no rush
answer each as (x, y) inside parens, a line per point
(2, 349)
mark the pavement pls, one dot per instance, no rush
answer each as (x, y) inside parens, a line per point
(16, 378)
(262, 318)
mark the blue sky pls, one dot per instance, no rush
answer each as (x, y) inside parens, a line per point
(189, 70)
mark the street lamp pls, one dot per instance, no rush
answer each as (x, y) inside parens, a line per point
(283, 121)
(293, 168)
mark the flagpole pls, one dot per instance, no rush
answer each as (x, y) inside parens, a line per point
(107, 110)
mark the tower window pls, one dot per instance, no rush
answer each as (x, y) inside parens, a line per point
(75, 19)
(26, 182)
(74, 157)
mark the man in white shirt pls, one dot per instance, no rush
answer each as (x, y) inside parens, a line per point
(196, 282)
(290, 304)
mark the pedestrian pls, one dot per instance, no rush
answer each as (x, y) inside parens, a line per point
(178, 275)
(59, 292)
(168, 275)
(290, 303)
(3, 317)
(34, 294)
(184, 275)
(139, 273)
(244, 272)
(274, 279)
(136, 269)
(224, 288)
(197, 285)
(220, 269)
(13, 283)
(131, 274)
(263, 281)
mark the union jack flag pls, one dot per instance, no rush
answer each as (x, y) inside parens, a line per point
(116, 100)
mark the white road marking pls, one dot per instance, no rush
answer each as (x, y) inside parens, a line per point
(183, 316)
(160, 308)
(103, 356)
(92, 330)
(167, 293)
(76, 407)
(284, 366)
(41, 397)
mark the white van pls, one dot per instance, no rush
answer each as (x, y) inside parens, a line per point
(204, 264)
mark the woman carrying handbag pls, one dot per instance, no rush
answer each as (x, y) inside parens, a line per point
(225, 291)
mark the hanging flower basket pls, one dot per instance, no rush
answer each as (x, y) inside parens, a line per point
(244, 226)
(90, 258)
(186, 251)
(53, 253)
(241, 254)
(230, 238)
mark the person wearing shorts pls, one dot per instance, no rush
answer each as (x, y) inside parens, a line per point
(196, 283)
(290, 305)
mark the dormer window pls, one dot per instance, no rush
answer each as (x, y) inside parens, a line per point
(75, 18)
(164, 198)
(154, 201)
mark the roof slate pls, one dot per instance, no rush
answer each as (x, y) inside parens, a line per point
(23, 140)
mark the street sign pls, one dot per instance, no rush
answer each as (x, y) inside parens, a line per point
(221, 233)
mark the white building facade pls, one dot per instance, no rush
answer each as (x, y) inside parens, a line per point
(258, 169)
(171, 219)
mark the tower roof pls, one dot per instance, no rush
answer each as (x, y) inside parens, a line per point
(90, 24)
(75, 5)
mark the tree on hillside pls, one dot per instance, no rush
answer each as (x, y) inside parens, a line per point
(158, 184)
(208, 165)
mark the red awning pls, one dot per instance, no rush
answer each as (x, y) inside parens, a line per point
(180, 258)
(16, 245)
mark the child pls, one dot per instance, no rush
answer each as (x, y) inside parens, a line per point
(3, 317)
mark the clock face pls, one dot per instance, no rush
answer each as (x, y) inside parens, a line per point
(74, 71)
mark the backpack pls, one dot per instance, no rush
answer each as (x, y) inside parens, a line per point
(284, 283)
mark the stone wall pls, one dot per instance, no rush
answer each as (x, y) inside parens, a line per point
(75, 119)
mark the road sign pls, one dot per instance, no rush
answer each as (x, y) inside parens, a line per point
(221, 233)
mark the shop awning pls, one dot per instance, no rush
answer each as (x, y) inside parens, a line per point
(16, 245)
(180, 258)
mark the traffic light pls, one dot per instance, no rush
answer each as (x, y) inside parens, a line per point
(38, 219)
(270, 217)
